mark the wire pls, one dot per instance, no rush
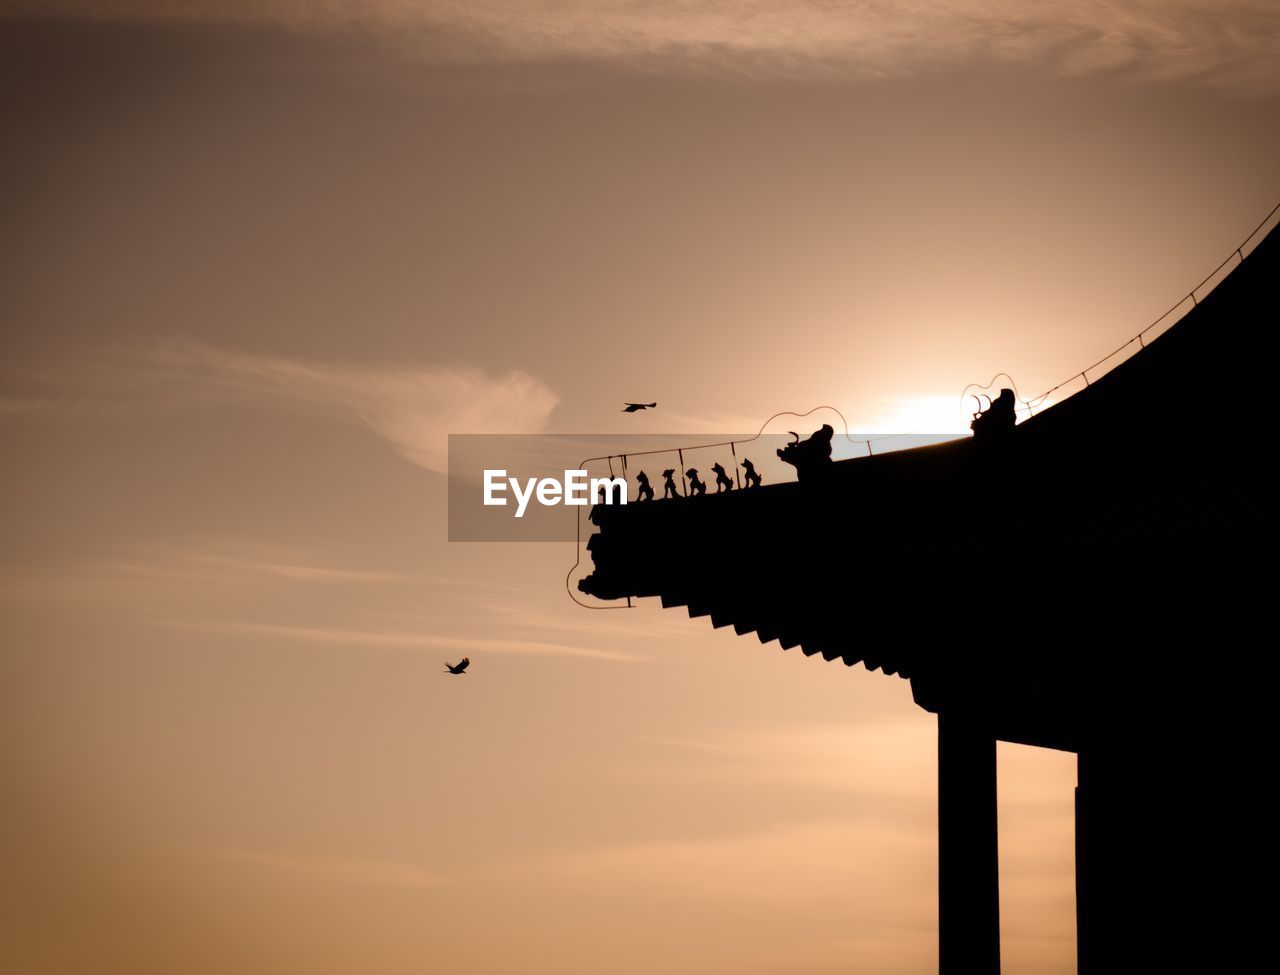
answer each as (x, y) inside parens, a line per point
(964, 394)
(1140, 338)
(1029, 405)
(679, 451)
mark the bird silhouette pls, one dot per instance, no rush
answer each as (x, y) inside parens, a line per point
(460, 667)
(637, 407)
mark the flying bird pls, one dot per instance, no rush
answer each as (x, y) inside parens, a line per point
(637, 407)
(460, 667)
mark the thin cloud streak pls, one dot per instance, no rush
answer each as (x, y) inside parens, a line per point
(413, 407)
(1231, 43)
(20, 406)
(168, 584)
(193, 564)
(789, 872)
(335, 870)
(176, 565)
(839, 758)
(395, 639)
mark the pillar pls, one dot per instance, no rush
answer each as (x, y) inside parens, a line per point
(968, 860)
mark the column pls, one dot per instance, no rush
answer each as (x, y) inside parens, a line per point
(968, 861)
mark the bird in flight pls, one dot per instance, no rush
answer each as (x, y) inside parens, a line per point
(460, 667)
(637, 407)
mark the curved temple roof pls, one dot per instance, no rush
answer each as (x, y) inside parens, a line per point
(1153, 483)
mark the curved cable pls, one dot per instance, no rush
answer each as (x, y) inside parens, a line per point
(982, 391)
(731, 444)
(1237, 254)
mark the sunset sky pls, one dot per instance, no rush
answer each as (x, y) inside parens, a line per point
(258, 259)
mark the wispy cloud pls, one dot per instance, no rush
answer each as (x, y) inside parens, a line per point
(414, 407)
(203, 563)
(304, 573)
(831, 757)
(785, 877)
(223, 562)
(22, 406)
(219, 588)
(395, 639)
(718, 424)
(1230, 42)
(338, 870)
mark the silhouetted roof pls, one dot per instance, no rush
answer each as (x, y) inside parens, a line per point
(1153, 482)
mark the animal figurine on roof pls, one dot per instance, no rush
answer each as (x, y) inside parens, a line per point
(644, 490)
(753, 478)
(669, 489)
(997, 419)
(723, 481)
(812, 455)
(696, 487)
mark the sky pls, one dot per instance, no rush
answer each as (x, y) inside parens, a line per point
(258, 260)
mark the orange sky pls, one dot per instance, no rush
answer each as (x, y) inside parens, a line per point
(258, 261)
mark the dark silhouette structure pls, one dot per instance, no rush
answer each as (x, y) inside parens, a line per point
(1124, 540)
(460, 667)
(637, 407)
(669, 484)
(696, 487)
(997, 419)
(723, 481)
(644, 490)
(810, 456)
(753, 477)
